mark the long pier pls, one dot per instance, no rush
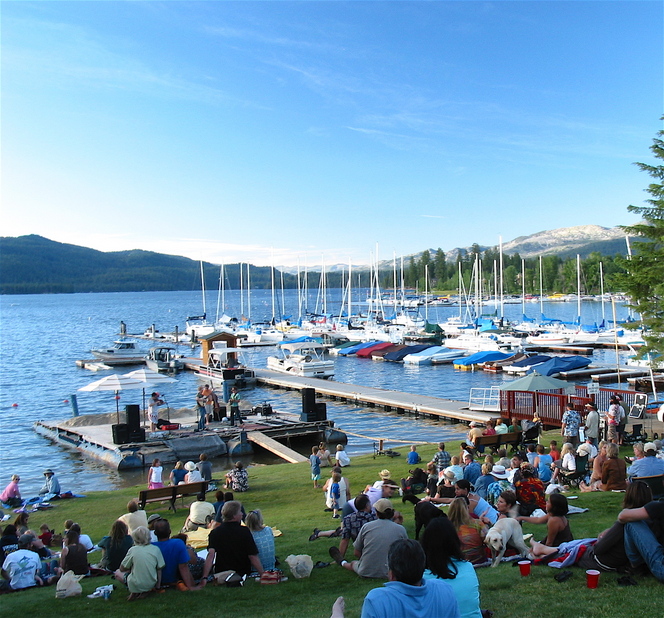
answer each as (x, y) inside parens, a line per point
(419, 405)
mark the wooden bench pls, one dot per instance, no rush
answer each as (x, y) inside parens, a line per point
(493, 442)
(511, 439)
(171, 493)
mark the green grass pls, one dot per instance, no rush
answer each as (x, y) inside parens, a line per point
(288, 502)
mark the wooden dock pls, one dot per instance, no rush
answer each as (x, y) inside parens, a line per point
(275, 447)
(419, 405)
(561, 349)
(621, 374)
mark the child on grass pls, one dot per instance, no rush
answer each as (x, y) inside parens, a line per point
(335, 494)
(314, 460)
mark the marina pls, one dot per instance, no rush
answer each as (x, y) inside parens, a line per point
(40, 378)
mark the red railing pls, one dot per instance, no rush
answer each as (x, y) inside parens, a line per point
(551, 406)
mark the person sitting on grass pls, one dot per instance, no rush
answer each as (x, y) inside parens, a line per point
(134, 517)
(237, 479)
(350, 525)
(20, 569)
(607, 552)
(542, 464)
(263, 538)
(407, 594)
(114, 547)
(529, 490)
(614, 470)
(74, 556)
(231, 546)
(445, 561)
(141, 568)
(644, 536)
(598, 464)
(413, 456)
(344, 490)
(557, 524)
(372, 543)
(470, 531)
(176, 557)
(201, 513)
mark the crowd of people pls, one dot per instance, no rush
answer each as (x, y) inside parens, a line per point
(437, 570)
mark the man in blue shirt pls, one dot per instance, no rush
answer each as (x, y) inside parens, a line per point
(472, 470)
(650, 465)
(176, 557)
(406, 594)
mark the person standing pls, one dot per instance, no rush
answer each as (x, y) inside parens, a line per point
(154, 475)
(592, 423)
(234, 404)
(153, 411)
(200, 406)
(208, 404)
(314, 460)
(571, 422)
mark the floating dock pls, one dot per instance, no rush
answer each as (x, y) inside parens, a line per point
(419, 405)
(187, 443)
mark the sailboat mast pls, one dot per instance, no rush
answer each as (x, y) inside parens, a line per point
(203, 289)
(578, 288)
(502, 286)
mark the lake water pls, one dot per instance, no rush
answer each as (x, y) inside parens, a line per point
(42, 335)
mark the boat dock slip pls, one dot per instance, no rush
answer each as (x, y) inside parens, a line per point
(420, 405)
(561, 349)
(621, 374)
(585, 373)
(275, 447)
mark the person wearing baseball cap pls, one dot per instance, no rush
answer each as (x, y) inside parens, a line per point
(650, 465)
(373, 542)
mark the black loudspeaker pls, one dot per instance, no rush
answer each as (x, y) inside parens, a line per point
(138, 435)
(133, 417)
(120, 433)
(308, 400)
(321, 411)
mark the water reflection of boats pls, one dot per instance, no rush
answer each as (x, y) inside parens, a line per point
(304, 358)
(164, 358)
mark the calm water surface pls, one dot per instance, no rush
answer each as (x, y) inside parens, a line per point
(42, 335)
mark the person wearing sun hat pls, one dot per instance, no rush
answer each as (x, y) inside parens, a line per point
(193, 475)
(501, 484)
(373, 542)
(385, 475)
(51, 487)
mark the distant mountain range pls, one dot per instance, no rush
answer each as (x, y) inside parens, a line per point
(34, 264)
(564, 242)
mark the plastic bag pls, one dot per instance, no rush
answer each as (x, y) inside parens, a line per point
(301, 565)
(68, 585)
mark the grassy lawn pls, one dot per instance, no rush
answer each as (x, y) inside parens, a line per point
(288, 502)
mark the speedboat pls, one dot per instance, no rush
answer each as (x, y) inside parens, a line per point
(220, 368)
(303, 358)
(164, 359)
(122, 348)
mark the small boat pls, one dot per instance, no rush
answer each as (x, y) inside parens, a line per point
(164, 359)
(554, 366)
(397, 356)
(522, 367)
(122, 348)
(220, 368)
(302, 359)
(499, 365)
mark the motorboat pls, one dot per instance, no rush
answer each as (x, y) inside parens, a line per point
(122, 348)
(164, 358)
(304, 358)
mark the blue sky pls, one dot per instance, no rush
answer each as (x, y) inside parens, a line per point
(302, 131)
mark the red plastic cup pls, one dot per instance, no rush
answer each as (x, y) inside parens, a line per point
(524, 567)
(592, 578)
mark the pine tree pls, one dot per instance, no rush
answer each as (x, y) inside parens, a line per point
(644, 281)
